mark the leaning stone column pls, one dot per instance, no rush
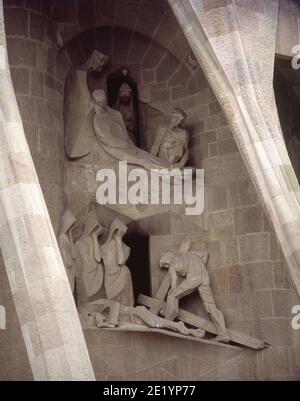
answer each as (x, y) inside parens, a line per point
(234, 42)
(49, 321)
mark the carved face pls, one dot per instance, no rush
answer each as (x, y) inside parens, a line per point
(176, 119)
(99, 98)
(97, 61)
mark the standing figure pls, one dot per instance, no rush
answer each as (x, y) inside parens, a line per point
(89, 270)
(117, 276)
(66, 246)
(191, 268)
(171, 143)
(79, 137)
(125, 107)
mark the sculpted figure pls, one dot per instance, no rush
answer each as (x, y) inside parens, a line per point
(111, 133)
(125, 107)
(79, 136)
(109, 314)
(190, 267)
(66, 246)
(172, 141)
(89, 270)
(117, 276)
(89, 122)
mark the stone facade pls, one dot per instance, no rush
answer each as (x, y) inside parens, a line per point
(250, 276)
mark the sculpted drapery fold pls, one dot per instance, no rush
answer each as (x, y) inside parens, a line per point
(234, 42)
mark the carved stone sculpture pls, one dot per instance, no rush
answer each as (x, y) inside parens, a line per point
(117, 276)
(125, 107)
(171, 143)
(110, 314)
(111, 133)
(191, 268)
(89, 270)
(79, 135)
(66, 246)
(89, 122)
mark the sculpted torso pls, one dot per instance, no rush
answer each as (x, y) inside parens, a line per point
(174, 144)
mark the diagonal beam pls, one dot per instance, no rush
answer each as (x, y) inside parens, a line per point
(199, 322)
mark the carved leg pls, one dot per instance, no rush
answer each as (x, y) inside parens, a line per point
(158, 322)
(216, 315)
(172, 308)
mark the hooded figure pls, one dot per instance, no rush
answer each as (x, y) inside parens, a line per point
(89, 270)
(66, 246)
(79, 136)
(117, 277)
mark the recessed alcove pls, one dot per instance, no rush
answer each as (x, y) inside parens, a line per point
(245, 262)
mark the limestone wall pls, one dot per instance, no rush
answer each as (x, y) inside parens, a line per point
(249, 278)
(39, 84)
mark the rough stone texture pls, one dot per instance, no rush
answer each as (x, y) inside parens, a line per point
(255, 289)
(250, 278)
(246, 95)
(39, 89)
(38, 283)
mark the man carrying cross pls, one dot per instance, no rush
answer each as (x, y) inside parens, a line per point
(191, 267)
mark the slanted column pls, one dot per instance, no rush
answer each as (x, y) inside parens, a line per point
(234, 42)
(46, 310)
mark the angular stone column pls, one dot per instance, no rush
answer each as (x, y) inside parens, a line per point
(49, 321)
(234, 42)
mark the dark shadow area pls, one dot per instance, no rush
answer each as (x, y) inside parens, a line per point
(138, 263)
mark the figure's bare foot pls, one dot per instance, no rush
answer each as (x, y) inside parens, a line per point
(198, 333)
(222, 338)
(182, 328)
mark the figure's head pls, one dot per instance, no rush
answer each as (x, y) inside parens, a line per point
(97, 61)
(178, 116)
(99, 98)
(68, 221)
(92, 225)
(125, 71)
(117, 230)
(166, 260)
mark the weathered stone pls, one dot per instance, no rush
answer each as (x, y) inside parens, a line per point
(37, 26)
(259, 275)
(235, 278)
(216, 198)
(166, 68)
(247, 220)
(37, 83)
(16, 22)
(21, 52)
(221, 223)
(283, 302)
(254, 247)
(242, 193)
(227, 146)
(21, 80)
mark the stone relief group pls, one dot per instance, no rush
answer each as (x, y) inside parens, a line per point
(98, 274)
(96, 262)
